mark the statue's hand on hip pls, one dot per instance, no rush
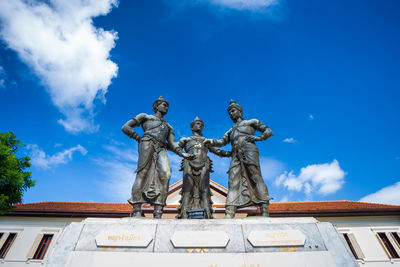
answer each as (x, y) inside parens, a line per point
(252, 138)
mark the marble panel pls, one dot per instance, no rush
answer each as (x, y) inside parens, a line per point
(87, 240)
(276, 238)
(124, 238)
(166, 230)
(313, 241)
(199, 239)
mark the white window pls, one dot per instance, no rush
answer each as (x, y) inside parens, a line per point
(353, 245)
(6, 241)
(390, 241)
(40, 246)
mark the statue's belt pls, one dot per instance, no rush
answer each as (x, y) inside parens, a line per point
(238, 150)
(155, 140)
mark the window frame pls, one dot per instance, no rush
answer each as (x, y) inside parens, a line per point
(3, 242)
(393, 242)
(354, 247)
(36, 244)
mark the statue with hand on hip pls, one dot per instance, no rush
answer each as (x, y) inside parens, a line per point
(246, 185)
(153, 171)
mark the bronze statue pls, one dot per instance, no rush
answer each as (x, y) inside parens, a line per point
(195, 193)
(246, 185)
(153, 170)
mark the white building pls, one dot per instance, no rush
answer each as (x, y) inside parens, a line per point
(29, 233)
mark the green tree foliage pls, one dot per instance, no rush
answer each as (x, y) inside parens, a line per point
(14, 180)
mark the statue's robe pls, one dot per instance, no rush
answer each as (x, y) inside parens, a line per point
(154, 169)
(246, 185)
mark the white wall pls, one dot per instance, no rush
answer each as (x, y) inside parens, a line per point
(364, 230)
(27, 228)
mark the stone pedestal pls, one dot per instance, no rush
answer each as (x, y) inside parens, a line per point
(250, 242)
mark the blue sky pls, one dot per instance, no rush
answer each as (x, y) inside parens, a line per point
(323, 75)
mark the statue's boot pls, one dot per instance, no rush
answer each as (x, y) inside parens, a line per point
(230, 212)
(264, 209)
(158, 211)
(137, 211)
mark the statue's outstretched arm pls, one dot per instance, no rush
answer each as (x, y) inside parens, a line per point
(181, 143)
(220, 152)
(223, 141)
(175, 147)
(134, 122)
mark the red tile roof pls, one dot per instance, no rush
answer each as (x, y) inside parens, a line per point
(310, 208)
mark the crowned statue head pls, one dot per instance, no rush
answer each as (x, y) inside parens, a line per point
(197, 126)
(161, 105)
(235, 110)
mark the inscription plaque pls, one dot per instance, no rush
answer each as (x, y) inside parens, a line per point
(123, 239)
(276, 238)
(199, 239)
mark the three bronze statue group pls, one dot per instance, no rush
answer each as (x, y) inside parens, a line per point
(246, 186)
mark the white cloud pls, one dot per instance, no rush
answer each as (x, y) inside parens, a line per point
(311, 117)
(386, 195)
(270, 167)
(290, 140)
(284, 199)
(41, 160)
(251, 5)
(71, 56)
(125, 154)
(2, 77)
(118, 178)
(323, 179)
(117, 170)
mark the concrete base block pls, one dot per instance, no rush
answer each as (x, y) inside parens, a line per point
(221, 243)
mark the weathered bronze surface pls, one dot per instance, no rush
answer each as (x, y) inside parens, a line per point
(246, 185)
(153, 170)
(195, 193)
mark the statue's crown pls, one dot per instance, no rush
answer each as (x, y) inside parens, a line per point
(160, 98)
(158, 101)
(196, 119)
(233, 104)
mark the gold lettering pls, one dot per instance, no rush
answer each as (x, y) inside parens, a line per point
(123, 237)
(277, 235)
